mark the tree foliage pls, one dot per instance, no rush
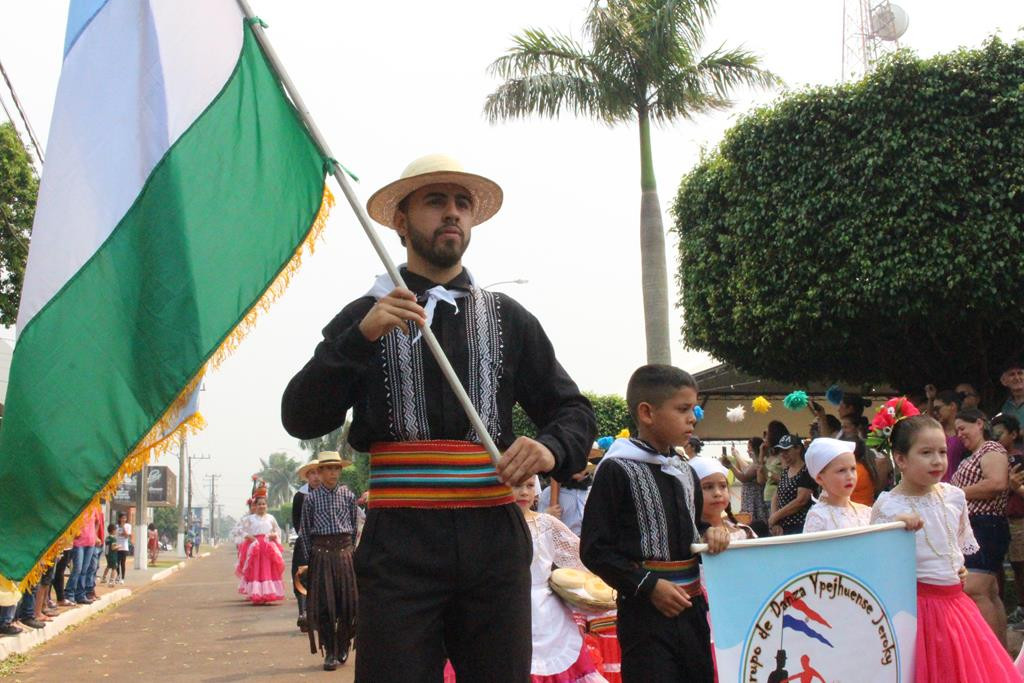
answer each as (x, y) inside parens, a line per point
(869, 232)
(18, 189)
(166, 520)
(281, 474)
(641, 61)
(610, 410)
(357, 476)
(283, 515)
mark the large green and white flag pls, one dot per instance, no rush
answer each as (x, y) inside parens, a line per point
(180, 190)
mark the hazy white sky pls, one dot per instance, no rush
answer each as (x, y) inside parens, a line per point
(388, 82)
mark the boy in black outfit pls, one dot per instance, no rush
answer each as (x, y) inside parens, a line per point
(639, 522)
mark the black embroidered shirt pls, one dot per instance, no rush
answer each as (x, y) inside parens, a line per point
(635, 513)
(499, 351)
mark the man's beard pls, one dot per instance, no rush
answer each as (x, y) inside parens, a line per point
(439, 253)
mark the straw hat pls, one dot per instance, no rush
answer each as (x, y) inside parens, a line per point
(431, 170)
(331, 458)
(312, 464)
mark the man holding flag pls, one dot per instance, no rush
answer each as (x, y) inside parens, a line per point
(443, 543)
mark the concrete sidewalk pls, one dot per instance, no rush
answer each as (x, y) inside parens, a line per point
(193, 627)
(135, 580)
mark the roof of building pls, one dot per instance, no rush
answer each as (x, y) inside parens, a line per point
(726, 380)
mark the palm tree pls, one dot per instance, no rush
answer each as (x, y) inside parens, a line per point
(281, 474)
(643, 63)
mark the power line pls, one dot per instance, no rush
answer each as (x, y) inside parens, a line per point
(24, 117)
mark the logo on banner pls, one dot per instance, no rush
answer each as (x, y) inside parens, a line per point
(814, 626)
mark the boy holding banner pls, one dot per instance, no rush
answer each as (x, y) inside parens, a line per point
(639, 522)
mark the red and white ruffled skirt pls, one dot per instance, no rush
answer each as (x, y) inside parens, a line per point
(954, 643)
(582, 671)
(262, 568)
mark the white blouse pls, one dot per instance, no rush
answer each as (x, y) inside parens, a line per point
(261, 525)
(946, 536)
(237, 534)
(557, 640)
(825, 517)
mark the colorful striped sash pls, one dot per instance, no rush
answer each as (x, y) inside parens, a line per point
(603, 624)
(684, 573)
(434, 474)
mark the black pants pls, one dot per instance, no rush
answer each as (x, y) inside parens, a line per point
(659, 649)
(58, 574)
(444, 583)
(122, 560)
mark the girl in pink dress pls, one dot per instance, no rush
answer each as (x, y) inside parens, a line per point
(954, 643)
(264, 563)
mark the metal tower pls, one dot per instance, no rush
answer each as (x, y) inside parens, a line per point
(871, 29)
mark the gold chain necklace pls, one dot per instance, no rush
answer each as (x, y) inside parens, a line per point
(951, 543)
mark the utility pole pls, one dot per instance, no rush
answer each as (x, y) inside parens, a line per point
(220, 516)
(182, 454)
(213, 505)
(190, 459)
(141, 521)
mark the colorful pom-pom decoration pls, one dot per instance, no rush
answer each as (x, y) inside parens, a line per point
(624, 434)
(736, 414)
(761, 405)
(796, 400)
(834, 395)
(605, 442)
(698, 412)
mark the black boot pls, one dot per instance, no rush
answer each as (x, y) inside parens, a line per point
(343, 657)
(330, 659)
(302, 623)
(330, 650)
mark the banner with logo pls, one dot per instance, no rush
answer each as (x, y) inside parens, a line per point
(832, 606)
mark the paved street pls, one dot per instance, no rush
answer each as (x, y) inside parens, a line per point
(192, 626)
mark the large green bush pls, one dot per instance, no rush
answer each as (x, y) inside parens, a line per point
(610, 411)
(866, 232)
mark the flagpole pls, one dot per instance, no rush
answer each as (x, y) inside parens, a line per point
(808, 537)
(364, 220)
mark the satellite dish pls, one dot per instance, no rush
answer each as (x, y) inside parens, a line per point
(889, 22)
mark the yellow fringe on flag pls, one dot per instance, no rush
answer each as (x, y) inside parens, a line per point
(164, 434)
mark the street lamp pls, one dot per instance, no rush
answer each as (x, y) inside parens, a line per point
(506, 282)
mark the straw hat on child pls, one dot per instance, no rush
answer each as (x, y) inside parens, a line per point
(331, 458)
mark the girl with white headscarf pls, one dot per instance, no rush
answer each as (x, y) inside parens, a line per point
(832, 464)
(714, 488)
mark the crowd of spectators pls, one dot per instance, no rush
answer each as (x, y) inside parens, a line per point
(69, 580)
(985, 458)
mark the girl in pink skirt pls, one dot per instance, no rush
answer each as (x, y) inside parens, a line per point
(263, 563)
(954, 643)
(239, 535)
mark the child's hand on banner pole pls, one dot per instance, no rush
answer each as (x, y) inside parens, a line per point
(717, 539)
(913, 522)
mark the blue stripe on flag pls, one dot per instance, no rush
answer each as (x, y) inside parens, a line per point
(80, 13)
(796, 625)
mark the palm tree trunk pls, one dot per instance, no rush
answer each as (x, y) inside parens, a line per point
(653, 275)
